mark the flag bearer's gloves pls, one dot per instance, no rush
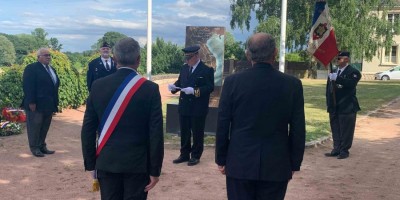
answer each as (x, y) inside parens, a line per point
(332, 76)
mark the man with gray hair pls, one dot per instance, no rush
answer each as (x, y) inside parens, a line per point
(40, 84)
(260, 135)
(124, 109)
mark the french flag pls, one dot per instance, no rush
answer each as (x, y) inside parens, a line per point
(322, 42)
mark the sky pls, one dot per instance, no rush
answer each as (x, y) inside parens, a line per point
(78, 24)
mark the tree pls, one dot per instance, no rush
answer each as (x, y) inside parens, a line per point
(166, 57)
(40, 38)
(109, 37)
(233, 49)
(54, 44)
(7, 52)
(353, 21)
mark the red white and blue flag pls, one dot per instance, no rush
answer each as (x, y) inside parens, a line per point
(116, 107)
(322, 42)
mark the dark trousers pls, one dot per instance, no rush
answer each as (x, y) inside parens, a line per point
(342, 126)
(122, 186)
(37, 124)
(239, 189)
(189, 125)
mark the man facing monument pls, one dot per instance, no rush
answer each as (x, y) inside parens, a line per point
(124, 111)
(195, 83)
(260, 135)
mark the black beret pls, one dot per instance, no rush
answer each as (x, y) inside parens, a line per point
(344, 53)
(105, 44)
(191, 49)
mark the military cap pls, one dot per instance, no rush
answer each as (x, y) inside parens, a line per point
(105, 44)
(344, 53)
(191, 49)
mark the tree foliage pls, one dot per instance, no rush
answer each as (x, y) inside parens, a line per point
(233, 49)
(40, 38)
(353, 20)
(110, 37)
(166, 57)
(11, 87)
(7, 52)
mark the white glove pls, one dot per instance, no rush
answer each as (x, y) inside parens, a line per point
(332, 76)
(171, 87)
(188, 90)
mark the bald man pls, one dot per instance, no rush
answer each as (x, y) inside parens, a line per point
(260, 135)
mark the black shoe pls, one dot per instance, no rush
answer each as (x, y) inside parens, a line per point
(180, 159)
(46, 151)
(38, 153)
(331, 154)
(342, 156)
(193, 161)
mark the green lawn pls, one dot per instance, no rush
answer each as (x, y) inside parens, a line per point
(371, 95)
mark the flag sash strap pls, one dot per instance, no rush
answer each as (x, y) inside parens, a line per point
(116, 107)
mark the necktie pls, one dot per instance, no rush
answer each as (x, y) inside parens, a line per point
(107, 66)
(51, 75)
(338, 73)
(190, 70)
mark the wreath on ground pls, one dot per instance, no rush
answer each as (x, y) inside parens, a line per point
(12, 123)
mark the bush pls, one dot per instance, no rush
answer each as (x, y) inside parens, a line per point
(11, 87)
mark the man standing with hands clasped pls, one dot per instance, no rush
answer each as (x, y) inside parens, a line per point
(342, 105)
(260, 135)
(195, 83)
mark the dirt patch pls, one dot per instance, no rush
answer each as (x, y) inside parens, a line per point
(370, 173)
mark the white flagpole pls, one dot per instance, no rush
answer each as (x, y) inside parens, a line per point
(283, 37)
(149, 38)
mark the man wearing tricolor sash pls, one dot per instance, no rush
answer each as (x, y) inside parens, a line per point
(124, 112)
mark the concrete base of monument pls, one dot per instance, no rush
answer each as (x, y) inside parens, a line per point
(173, 126)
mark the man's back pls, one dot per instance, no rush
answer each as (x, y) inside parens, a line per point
(260, 103)
(138, 133)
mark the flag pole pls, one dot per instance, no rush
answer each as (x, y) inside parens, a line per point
(283, 37)
(149, 38)
(332, 87)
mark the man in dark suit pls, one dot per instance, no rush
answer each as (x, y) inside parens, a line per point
(101, 66)
(40, 85)
(342, 105)
(260, 135)
(130, 163)
(195, 83)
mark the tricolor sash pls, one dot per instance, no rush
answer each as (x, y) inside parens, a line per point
(116, 108)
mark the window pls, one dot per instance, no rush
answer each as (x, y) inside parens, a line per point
(391, 55)
(393, 17)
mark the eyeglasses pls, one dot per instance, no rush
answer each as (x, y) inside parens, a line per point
(46, 55)
(339, 58)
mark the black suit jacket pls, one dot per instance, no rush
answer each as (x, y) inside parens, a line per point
(98, 70)
(345, 92)
(39, 88)
(136, 144)
(261, 125)
(202, 79)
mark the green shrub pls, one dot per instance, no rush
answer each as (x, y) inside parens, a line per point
(11, 87)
